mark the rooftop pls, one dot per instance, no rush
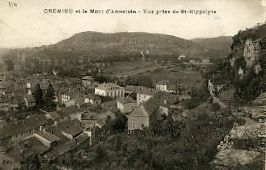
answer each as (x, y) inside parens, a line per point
(126, 100)
(48, 136)
(108, 86)
(33, 121)
(72, 127)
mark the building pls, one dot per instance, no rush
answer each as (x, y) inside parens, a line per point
(92, 99)
(126, 105)
(24, 128)
(167, 86)
(4, 104)
(87, 81)
(65, 113)
(46, 138)
(70, 129)
(110, 90)
(29, 101)
(144, 95)
(138, 119)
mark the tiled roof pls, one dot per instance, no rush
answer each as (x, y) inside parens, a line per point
(93, 96)
(65, 111)
(126, 100)
(139, 112)
(48, 136)
(140, 89)
(22, 126)
(71, 127)
(54, 115)
(87, 78)
(26, 148)
(108, 86)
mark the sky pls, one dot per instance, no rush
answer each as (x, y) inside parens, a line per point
(27, 25)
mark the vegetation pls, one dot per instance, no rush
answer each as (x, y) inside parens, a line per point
(38, 96)
(49, 97)
(44, 99)
(186, 144)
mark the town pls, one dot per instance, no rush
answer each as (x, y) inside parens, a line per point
(45, 114)
(154, 107)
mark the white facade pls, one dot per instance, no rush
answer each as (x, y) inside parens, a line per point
(141, 98)
(110, 89)
(161, 87)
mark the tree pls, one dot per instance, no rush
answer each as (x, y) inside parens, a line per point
(38, 96)
(34, 162)
(50, 97)
(9, 65)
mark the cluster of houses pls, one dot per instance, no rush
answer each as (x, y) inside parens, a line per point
(83, 105)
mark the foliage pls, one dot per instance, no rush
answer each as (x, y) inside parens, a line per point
(198, 96)
(38, 96)
(187, 144)
(142, 80)
(50, 97)
(118, 124)
(9, 65)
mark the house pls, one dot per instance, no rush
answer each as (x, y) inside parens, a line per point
(7, 162)
(46, 138)
(155, 108)
(92, 99)
(144, 95)
(29, 101)
(72, 112)
(138, 119)
(70, 128)
(14, 103)
(3, 87)
(87, 81)
(24, 128)
(64, 113)
(110, 89)
(4, 104)
(162, 85)
(52, 115)
(65, 94)
(126, 105)
(167, 86)
(160, 104)
(21, 152)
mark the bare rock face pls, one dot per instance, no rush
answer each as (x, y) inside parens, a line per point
(251, 51)
(247, 63)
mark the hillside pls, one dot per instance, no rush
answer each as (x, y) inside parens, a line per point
(95, 44)
(219, 44)
(108, 44)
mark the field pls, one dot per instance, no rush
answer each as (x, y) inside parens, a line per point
(181, 74)
(125, 69)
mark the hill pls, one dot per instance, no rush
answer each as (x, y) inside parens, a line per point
(108, 44)
(219, 44)
(86, 47)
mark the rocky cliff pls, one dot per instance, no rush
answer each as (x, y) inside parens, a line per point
(247, 63)
(245, 69)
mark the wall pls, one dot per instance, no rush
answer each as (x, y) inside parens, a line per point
(137, 122)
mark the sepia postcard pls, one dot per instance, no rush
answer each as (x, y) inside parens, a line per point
(132, 84)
